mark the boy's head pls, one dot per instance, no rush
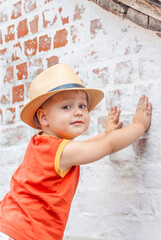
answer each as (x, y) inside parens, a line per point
(65, 114)
(55, 80)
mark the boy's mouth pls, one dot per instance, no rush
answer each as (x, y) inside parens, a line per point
(77, 122)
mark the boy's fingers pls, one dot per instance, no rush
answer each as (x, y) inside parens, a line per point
(119, 125)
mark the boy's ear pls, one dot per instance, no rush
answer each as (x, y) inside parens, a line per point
(41, 115)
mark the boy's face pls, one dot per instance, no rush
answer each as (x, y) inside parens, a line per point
(67, 114)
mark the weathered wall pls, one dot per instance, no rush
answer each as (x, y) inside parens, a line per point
(120, 196)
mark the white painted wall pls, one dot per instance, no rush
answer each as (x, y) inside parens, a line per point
(119, 197)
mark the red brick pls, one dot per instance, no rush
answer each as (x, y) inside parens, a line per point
(60, 38)
(95, 25)
(122, 72)
(17, 51)
(46, 1)
(3, 17)
(34, 24)
(60, 9)
(9, 74)
(1, 115)
(1, 41)
(22, 71)
(21, 106)
(140, 146)
(2, 52)
(10, 33)
(16, 12)
(46, 22)
(10, 114)
(4, 99)
(36, 67)
(65, 20)
(22, 28)
(44, 43)
(74, 31)
(13, 135)
(18, 93)
(29, 5)
(78, 12)
(103, 74)
(31, 47)
(52, 61)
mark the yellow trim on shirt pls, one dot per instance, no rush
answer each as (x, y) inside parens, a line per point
(57, 159)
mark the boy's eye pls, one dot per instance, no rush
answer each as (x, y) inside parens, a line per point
(83, 106)
(67, 107)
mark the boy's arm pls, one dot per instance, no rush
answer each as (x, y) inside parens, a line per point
(78, 153)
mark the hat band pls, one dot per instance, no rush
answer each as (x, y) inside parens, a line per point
(68, 85)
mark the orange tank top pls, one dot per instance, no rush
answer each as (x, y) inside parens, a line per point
(39, 201)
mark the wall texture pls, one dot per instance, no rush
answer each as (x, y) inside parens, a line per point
(119, 197)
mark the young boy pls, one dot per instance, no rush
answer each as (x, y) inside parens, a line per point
(42, 188)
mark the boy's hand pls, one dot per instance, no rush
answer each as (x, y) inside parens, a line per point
(143, 112)
(113, 120)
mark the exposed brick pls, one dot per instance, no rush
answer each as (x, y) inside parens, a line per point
(1, 115)
(17, 52)
(102, 120)
(44, 43)
(13, 135)
(4, 99)
(1, 40)
(3, 16)
(10, 115)
(122, 72)
(74, 33)
(35, 67)
(79, 10)
(52, 61)
(95, 25)
(148, 68)
(22, 28)
(60, 10)
(103, 74)
(22, 71)
(10, 33)
(18, 93)
(65, 20)
(60, 38)
(29, 5)
(2, 52)
(34, 24)
(16, 12)
(46, 1)
(31, 47)
(9, 74)
(49, 17)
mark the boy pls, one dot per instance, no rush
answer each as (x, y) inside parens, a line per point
(42, 188)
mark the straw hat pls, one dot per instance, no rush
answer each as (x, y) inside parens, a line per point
(55, 79)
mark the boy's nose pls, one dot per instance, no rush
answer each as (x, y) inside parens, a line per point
(77, 112)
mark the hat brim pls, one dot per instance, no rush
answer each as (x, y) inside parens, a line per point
(30, 108)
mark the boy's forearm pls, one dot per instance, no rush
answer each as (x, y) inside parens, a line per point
(100, 135)
(124, 137)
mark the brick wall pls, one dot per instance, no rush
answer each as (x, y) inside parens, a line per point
(118, 197)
